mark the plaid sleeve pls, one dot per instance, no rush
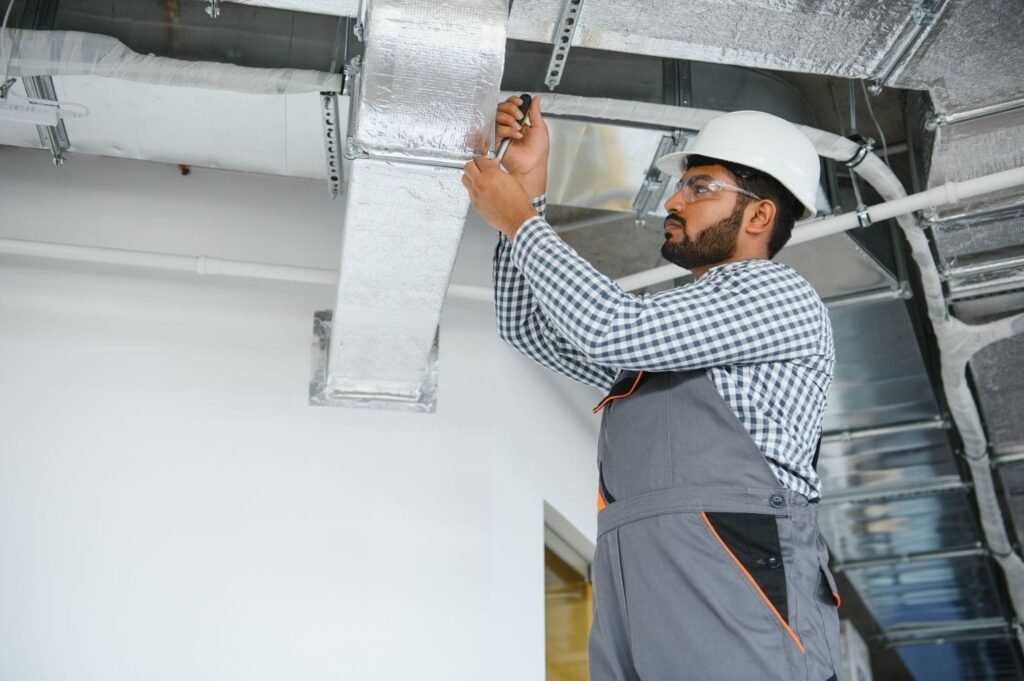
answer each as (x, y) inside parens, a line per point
(525, 326)
(743, 313)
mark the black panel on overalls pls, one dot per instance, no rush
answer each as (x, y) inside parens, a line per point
(706, 567)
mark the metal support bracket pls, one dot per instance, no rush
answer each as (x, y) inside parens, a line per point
(924, 12)
(55, 137)
(937, 121)
(565, 30)
(653, 187)
(332, 141)
(353, 71)
(213, 8)
(940, 633)
(866, 145)
(863, 217)
(359, 28)
(942, 484)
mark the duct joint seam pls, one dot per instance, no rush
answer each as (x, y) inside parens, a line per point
(937, 121)
(924, 16)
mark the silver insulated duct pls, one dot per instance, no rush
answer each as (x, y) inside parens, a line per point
(423, 105)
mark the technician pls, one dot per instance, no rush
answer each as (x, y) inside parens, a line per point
(709, 564)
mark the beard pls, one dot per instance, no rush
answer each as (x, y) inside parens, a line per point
(715, 244)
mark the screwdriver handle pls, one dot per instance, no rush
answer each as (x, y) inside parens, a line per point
(524, 107)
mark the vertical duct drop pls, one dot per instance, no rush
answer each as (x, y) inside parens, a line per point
(423, 106)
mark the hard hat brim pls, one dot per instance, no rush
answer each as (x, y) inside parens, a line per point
(674, 165)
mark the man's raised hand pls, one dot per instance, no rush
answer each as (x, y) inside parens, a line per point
(527, 156)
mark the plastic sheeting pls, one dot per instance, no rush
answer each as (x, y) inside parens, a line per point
(70, 53)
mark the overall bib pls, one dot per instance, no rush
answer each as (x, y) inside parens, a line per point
(706, 567)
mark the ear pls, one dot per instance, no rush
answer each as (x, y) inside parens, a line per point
(760, 218)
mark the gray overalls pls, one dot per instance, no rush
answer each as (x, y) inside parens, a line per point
(706, 568)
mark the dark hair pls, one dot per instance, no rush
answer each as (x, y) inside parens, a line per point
(787, 207)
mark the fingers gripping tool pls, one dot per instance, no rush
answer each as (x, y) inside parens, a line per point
(524, 107)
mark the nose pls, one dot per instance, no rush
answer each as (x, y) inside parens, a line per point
(675, 203)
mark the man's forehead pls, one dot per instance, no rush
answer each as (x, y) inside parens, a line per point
(709, 172)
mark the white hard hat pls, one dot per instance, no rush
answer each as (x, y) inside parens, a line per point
(760, 141)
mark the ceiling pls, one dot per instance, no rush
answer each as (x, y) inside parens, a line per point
(901, 512)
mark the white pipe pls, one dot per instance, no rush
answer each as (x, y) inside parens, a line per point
(949, 193)
(199, 264)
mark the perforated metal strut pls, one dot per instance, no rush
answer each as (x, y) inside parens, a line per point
(332, 142)
(568, 22)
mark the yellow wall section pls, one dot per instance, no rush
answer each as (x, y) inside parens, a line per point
(568, 612)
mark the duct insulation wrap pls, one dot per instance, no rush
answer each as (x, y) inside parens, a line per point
(974, 148)
(849, 39)
(424, 106)
(970, 58)
(70, 53)
(403, 223)
(430, 76)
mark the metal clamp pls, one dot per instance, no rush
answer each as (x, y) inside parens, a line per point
(863, 217)
(353, 77)
(55, 137)
(653, 188)
(565, 29)
(866, 146)
(213, 8)
(359, 28)
(351, 71)
(924, 12)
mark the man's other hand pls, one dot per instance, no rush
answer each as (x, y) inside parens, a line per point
(527, 156)
(499, 198)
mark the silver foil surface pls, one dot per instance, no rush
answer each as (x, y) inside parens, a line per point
(834, 37)
(430, 79)
(403, 224)
(971, 58)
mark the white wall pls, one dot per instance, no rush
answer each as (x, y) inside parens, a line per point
(171, 507)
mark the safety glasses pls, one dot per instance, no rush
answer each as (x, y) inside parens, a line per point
(700, 188)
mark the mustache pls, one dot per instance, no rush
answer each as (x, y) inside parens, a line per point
(675, 220)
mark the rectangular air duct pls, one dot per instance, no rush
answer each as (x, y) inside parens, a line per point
(422, 107)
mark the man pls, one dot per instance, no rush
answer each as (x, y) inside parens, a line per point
(709, 564)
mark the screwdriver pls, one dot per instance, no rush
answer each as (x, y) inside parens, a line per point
(524, 107)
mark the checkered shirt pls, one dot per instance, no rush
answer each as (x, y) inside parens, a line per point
(757, 327)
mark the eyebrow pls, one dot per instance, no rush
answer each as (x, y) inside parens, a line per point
(700, 177)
